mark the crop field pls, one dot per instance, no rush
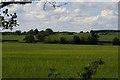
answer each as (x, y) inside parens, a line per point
(109, 36)
(23, 60)
(13, 37)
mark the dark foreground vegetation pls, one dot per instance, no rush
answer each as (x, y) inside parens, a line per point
(87, 74)
(49, 36)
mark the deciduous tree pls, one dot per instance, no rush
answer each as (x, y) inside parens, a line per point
(29, 39)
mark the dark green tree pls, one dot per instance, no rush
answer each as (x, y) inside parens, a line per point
(29, 39)
(18, 32)
(94, 38)
(31, 32)
(116, 41)
(36, 31)
(41, 36)
(82, 40)
(63, 40)
(24, 33)
(76, 40)
(48, 31)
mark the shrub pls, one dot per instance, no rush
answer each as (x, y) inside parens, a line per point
(29, 39)
(76, 40)
(87, 74)
(18, 32)
(36, 31)
(53, 74)
(48, 31)
(94, 38)
(63, 40)
(90, 70)
(30, 32)
(51, 40)
(82, 41)
(41, 36)
(116, 41)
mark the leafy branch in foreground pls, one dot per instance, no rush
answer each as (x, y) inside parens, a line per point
(7, 3)
(8, 21)
(90, 70)
(53, 4)
(53, 73)
(87, 74)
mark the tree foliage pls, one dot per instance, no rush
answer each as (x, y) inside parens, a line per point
(30, 32)
(87, 74)
(8, 21)
(48, 31)
(6, 3)
(41, 36)
(76, 40)
(93, 39)
(90, 70)
(29, 39)
(62, 40)
(116, 41)
(18, 32)
(53, 74)
(36, 31)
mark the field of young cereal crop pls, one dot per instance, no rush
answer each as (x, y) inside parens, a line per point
(22, 60)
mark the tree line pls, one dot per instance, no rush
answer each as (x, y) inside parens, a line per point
(33, 36)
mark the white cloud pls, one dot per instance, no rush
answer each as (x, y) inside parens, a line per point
(77, 10)
(106, 13)
(75, 17)
(106, 19)
(90, 20)
(35, 10)
(64, 19)
(60, 10)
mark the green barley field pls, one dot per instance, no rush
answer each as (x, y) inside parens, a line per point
(23, 60)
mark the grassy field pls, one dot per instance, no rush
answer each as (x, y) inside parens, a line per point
(13, 37)
(22, 60)
(109, 36)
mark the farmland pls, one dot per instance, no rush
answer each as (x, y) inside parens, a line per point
(34, 60)
(13, 37)
(23, 60)
(78, 43)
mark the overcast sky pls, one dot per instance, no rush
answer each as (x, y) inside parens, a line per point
(75, 16)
